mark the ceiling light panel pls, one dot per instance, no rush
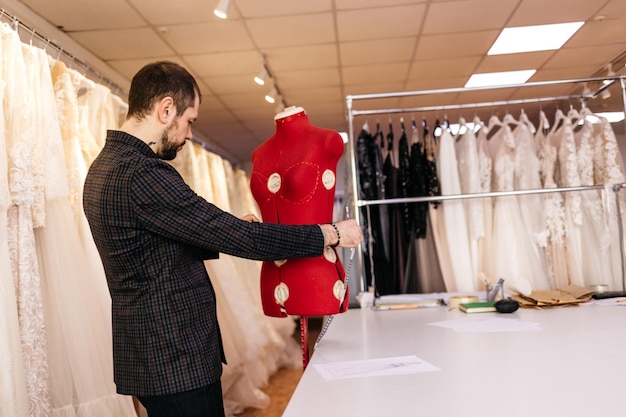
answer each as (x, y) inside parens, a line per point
(499, 78)
(533, 38)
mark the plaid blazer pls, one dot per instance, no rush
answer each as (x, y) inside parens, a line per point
(153, 234)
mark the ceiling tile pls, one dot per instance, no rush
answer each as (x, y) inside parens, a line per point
(367, 4)
(608, 31)
(292, 30)
(305, 97)
(571, 57)
(514, 62)
(430, 84)
(380, 86)
(129, 67)
(371, 74)
(265, 8)
(448, 17)
(377, 51)
(224, 63)
(567, 73)
(242, 83)
(541, 12)
(444, 46)
(294, 80)
(124, 43)
(244, 100)
(614, 9)
(302, 57)
(78, 15)
(177, 12)
(443, 68)
(380, 22)
(217, 36)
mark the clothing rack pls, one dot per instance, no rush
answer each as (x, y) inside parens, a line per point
(17, 24)
(350, 99)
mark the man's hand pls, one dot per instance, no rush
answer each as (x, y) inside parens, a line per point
(347, 234)
(250, 218)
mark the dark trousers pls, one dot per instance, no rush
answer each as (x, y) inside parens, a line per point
(201, 402)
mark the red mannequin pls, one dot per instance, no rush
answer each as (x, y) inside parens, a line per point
(293, 182)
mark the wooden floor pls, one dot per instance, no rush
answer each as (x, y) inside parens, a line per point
(283, 383)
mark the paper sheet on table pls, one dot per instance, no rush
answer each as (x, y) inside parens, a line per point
(488, 325)
(401, 365)
(621, 301)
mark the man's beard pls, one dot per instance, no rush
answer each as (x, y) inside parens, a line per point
(167, 150)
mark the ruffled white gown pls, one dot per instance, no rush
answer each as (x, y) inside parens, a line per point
(609, 169)
(13, 394)
(556, 257)
(25, 212)
(77, 316)
(514, 253)
(569, 175)
(531, 206)
(596, 244)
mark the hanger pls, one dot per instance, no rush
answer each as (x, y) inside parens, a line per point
(379, 134)
(493, 126)
(559, 119)
(390, 136)
(415, 138)
(510, 121)
(366, 127)
(523, 118)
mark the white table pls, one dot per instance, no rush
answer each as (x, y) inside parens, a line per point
(574, 366)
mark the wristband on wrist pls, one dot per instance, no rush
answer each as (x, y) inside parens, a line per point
(338, 235)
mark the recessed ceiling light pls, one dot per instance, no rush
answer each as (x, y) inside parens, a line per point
(533, 38)
(499, 78)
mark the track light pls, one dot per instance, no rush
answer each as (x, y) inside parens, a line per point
(271, 96)
(260, 79)
(221, 10)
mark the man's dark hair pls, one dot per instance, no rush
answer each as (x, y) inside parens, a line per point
(158, 80)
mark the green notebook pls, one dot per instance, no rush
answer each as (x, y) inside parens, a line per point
(480, 307)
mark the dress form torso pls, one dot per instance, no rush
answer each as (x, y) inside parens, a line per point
(293, 181)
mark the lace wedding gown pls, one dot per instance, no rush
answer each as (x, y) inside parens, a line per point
(25, 211)
(79, 338)
(555, 252)
(13, 394)
(514, 253)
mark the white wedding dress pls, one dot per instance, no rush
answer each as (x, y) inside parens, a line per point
(514, 253)
(469, 176)
(77, 316)
(555, 252)
(24, 213)
(13, 394)
(453, 226)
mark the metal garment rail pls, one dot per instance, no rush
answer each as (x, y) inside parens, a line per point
(350, 99)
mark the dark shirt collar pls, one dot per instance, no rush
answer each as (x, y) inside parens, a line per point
(119, 137)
